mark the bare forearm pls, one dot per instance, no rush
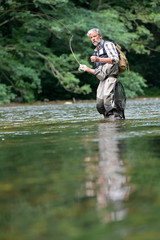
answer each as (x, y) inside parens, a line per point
(90, 70)
(86, 69)
(104, 60)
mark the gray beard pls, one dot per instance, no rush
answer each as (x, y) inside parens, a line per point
(96, 43)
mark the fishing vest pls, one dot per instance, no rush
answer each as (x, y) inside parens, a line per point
(100, 53)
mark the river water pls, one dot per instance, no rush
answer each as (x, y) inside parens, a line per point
(68, 174)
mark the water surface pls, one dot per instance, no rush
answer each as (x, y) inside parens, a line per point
(65, 173)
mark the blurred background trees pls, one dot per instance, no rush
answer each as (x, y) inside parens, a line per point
(35, 58)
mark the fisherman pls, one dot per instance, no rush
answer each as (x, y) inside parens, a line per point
(105, 59)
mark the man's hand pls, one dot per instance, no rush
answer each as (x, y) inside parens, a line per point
(82, 68)
(94, 59)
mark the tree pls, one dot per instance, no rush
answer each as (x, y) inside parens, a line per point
(36, 40)
(30, 58)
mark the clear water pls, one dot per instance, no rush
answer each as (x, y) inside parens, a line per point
(66, 173)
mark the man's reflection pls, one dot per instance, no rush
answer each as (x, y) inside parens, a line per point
(112, 183)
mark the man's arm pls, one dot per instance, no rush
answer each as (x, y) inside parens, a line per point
(111, 51)
(86, 69)
(102, 60)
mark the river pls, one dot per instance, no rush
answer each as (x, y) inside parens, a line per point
(68, 174)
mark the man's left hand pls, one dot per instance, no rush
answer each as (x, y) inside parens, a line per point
(82, 68)
(94, 59)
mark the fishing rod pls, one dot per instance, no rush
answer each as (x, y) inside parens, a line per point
(46, 15)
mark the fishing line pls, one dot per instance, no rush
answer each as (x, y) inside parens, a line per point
(45, 15)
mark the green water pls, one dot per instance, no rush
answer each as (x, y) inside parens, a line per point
(66, 174)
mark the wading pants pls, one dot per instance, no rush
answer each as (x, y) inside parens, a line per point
(105, 96)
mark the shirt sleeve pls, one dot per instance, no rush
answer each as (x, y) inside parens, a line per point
(111, 52)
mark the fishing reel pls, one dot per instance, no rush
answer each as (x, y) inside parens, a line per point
(82, 68)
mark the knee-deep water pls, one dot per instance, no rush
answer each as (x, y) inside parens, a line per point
(68, 174)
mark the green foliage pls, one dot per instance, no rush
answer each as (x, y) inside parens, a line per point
(23, 79)
(52, 2)
(133, 84)
(66, 68)
(5, 94)
(152, 92)
(32, 44)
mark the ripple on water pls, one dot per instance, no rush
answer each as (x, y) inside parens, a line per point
(139, 113)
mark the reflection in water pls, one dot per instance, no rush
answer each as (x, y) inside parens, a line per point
(112, 183)
(111, 168)
(42, 178)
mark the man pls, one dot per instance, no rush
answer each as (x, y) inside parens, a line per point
(105, 59)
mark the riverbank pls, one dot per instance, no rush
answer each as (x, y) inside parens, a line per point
(67, 102)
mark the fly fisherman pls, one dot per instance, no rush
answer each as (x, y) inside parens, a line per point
(105, 59)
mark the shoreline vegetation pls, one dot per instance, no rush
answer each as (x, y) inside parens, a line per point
(35, 47)
(68, 102)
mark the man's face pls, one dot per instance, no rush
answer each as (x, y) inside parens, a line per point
(95, 38)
